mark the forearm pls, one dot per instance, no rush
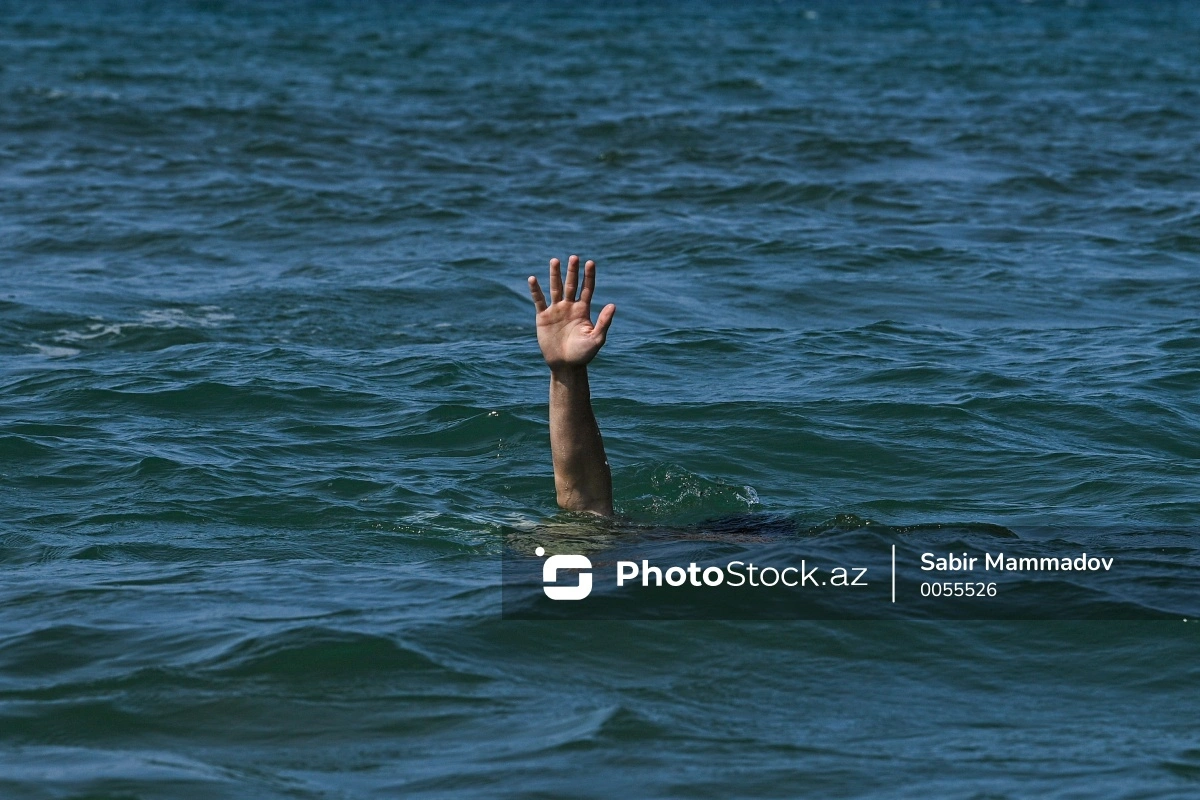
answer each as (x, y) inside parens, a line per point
(581, 474)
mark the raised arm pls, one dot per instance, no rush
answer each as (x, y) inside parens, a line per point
(569, 341)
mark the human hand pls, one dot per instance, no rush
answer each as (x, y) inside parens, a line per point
(565, 331)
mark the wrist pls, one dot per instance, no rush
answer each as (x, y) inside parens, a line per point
(570, 381)
(568, 373)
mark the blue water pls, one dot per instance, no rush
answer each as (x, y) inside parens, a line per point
(271, 404)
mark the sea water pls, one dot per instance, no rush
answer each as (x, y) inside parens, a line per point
(271, 402)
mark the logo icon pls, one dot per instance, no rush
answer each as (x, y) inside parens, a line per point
(550, 576)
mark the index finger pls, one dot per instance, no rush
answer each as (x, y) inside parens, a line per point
(589, 282)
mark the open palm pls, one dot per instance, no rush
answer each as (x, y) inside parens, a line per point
(564, 327)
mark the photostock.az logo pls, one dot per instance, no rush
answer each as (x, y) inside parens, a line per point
(550, 576)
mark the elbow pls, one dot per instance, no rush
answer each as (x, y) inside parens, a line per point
(577, 501)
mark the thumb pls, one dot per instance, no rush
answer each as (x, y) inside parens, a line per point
(605, 319)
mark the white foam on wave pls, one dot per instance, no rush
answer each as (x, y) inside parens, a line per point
(52, 351)
(93, 331)
(162, 318)
(57, 93)
(204, 316)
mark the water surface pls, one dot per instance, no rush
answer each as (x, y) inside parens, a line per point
(271, 401)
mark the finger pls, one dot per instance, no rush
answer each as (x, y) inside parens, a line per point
(605, 319)
(555, 281)
(589, 282)
(572, 287)
(535, 291)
